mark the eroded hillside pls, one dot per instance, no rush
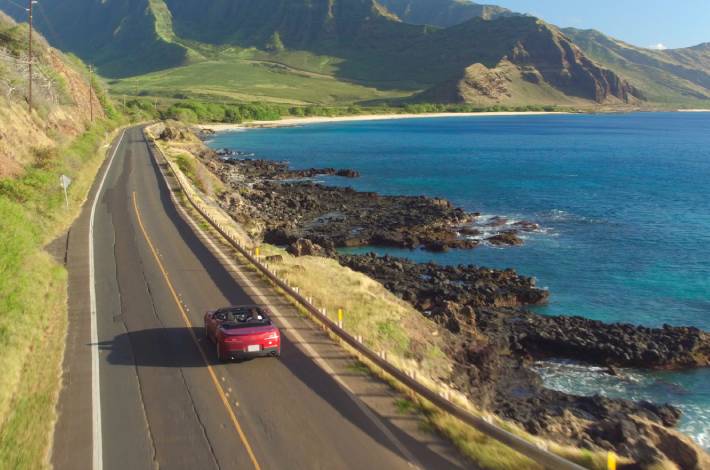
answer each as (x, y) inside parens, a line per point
(61, 99)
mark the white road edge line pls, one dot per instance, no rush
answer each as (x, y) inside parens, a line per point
(97, 441)
(413, 461)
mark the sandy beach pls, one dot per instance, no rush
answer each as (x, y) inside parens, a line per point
(296, 121)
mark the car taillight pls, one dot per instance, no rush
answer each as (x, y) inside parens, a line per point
(274, 335)
(232, 339)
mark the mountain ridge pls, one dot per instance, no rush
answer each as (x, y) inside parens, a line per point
(443, 13)
(363, 42)
(681, 73)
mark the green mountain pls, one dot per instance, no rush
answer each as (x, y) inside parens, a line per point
(442, 13)
(331, 51)
(118, 36)
(667, 76)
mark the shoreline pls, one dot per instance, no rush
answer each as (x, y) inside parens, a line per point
(501, 340)
(297, 121)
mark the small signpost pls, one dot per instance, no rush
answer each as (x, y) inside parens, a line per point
(64, 182)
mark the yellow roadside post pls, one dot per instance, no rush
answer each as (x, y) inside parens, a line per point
(340, 317)
(611, 461)
(256, 252)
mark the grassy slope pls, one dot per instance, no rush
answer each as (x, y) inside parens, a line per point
(55, 139)
(251, 80)
(33, 295)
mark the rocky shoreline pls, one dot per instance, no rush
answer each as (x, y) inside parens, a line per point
(497, 340)
(287, 205)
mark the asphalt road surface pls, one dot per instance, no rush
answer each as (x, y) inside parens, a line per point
(164, 400)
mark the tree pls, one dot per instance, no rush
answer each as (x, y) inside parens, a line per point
(275, 44)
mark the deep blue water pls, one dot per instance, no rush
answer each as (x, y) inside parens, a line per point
(624, 202)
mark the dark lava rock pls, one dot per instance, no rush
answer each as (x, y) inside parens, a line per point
(507, 238)
(288, 209)
(347, 173)
(429, 286)
(611, 344)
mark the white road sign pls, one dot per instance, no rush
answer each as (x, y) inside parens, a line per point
(64, 182)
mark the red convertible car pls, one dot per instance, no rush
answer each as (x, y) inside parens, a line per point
(242, 332)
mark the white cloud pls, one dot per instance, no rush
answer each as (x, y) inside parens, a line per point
(659, 47)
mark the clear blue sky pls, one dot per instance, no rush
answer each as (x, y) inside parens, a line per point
(673, 23)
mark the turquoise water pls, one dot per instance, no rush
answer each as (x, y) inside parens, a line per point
(623, 200)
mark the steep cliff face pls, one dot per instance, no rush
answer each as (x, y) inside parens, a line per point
(563, 65)
(300, 24)
(541, 65)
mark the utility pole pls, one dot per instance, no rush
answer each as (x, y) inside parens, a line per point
(29, 53)
(91, 92)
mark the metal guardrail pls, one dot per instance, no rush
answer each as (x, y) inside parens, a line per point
(532, 451)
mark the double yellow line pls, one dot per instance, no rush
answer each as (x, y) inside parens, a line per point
(186, 319)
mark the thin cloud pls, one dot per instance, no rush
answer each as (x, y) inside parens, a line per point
(659, 47)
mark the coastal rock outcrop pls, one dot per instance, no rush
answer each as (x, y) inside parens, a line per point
(287, 205)
(434, 289)
(615, 344)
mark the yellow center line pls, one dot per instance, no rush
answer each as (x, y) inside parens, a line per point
(186, 319)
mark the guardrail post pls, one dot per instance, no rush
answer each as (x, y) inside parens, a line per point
(340, 318)
(611, 461)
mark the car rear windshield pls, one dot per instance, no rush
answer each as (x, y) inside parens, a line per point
(243, 317)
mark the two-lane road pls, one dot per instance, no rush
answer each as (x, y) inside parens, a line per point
(163, 401)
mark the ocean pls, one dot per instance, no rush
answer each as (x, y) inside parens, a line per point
(623, 201)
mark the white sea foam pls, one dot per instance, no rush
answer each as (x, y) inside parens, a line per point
(581, 379)
(489, 225)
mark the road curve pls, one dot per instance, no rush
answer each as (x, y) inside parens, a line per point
(164, 400)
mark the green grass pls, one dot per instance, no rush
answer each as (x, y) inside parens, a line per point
(247, 80)
(33, 294)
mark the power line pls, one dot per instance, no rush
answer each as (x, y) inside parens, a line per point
(29, 80)
(16, 4)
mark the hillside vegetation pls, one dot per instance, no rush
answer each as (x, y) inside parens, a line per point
(327, 52)
(60, 98)
(35, 149)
